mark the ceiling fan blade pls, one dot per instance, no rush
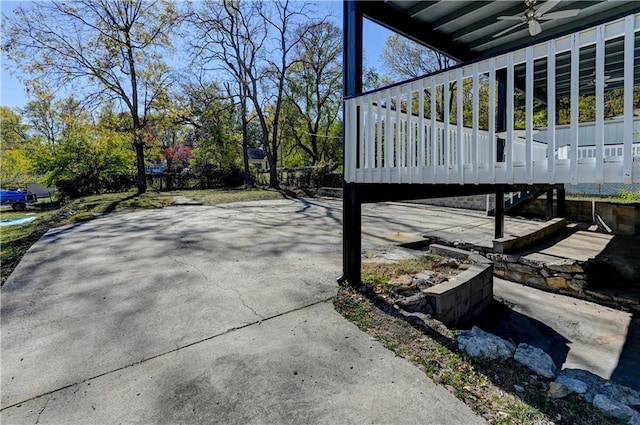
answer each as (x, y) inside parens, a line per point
(547, 6)
(534, 28)
(569, 13)
(508, 29)
(510, 18)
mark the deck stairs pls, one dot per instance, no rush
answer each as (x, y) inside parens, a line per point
(517, 200)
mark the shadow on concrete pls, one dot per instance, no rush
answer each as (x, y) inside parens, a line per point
(519, 328)
(627, 372)
(617, 266)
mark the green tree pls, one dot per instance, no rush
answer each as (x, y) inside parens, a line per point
(105, 49)
(89, 157)
(16, 161)
(314, 85)
(211, 117)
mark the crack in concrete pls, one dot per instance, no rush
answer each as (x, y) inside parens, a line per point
(206, 278)
(42, 410)
(247, 305)
(175, 350)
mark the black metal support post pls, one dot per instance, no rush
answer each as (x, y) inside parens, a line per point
(501, 123)
(549, 204)
(499, 219)
(352, 206)
(351, 235)
(562, 202)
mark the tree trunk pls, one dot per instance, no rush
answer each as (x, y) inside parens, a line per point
(141, 178)
(248, 181)
(273, 170)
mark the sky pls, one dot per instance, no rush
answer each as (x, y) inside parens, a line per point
(12, 93)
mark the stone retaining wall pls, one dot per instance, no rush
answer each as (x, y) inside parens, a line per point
(568, 277)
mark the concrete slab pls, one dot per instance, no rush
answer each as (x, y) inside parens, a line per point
(577, 334)
(581, 245)
(307, 366)
(192, 314)
(404, 223)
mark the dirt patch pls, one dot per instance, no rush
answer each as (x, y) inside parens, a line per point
(393, 280)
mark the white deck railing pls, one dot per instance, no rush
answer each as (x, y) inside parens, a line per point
(392, 137)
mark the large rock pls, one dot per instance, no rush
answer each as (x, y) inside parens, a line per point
(565, 266)
(415, 303)
(536, 360)
(573, 385)
(593, 381)
(613, 408)
(557, 282)
(557, 390)
(624, 395)
(478, 343)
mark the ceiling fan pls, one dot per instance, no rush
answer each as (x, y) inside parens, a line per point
(533, 16)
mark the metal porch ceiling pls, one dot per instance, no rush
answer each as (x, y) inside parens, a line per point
(464, 30)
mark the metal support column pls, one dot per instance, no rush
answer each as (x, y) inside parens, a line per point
(561, 202)
(352, 206)
(549, 204)
(351, 235)
(499, 219)
(501, 122)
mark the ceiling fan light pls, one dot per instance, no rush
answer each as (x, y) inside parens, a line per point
(534, 28)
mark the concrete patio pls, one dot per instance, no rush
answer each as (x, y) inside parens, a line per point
(216, 314)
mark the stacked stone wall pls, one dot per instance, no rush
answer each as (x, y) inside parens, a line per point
(567, 277)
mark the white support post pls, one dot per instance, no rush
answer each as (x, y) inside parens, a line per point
(575, 91)
(410, 154)
(371, 138)
(491, 155)
(475, 151)
(352, 141)
(459, 126)
(362, 137)
(434, 131)
(445, 106)
(529, 115)
(599, 136)
(421, 135)
(379, 163)
(627, 161)
(398, 135)
(551, 111)
(509, 112)
(388, 137)
(364, 134)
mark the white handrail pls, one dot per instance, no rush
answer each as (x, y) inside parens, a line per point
(414, 132)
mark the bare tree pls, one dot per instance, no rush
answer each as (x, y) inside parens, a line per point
(407, 59)
(230, 37)
(105, 49)
(254, 41)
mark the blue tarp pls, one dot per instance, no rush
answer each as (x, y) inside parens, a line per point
(15, 221)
